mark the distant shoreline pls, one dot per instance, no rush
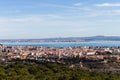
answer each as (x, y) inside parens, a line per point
(66, 44)
(66, 39)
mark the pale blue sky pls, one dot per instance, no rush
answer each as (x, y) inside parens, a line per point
(58, 18)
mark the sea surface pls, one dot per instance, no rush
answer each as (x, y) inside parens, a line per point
(66, 44)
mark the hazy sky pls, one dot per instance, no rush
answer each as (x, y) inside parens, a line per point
(58, 18)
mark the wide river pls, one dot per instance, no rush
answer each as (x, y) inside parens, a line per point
(66, 44)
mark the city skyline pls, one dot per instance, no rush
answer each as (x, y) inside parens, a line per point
(58, 18)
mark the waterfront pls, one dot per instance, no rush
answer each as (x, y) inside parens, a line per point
(65, 44)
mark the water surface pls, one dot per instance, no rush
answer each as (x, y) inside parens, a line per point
(65, 44)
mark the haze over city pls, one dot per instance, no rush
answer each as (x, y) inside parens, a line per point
(58, 18)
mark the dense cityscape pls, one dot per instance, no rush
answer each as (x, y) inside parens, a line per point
(72, 56)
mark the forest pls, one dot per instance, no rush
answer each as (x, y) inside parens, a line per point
(51, 71)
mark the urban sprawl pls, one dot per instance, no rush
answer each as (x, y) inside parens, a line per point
(72, 56)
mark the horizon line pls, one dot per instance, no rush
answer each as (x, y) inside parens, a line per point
(62, 37)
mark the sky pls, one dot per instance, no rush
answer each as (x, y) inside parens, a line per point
(23, 19)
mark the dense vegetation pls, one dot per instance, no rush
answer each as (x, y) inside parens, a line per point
(27, 71)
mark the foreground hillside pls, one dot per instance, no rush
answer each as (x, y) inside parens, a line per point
(28, 71)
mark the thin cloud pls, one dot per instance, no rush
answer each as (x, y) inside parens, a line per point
(30, 18)
(108, 5)
(77, 4)
(101, 13)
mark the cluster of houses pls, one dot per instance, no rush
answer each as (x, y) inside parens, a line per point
(51, 54)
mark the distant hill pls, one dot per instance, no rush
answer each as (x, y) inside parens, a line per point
(107, 38)
(68, 39)
(92, 38)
